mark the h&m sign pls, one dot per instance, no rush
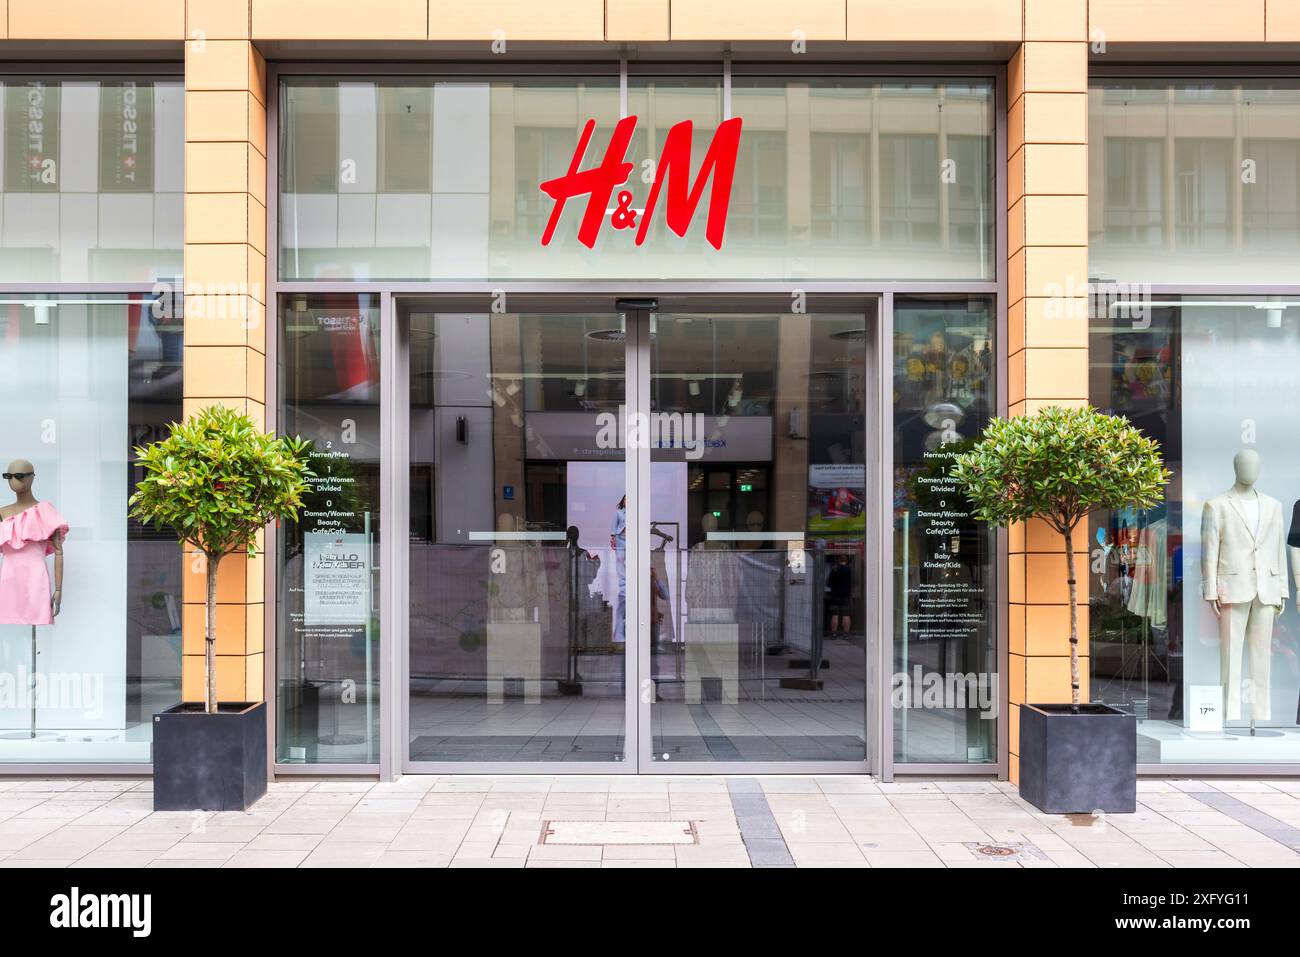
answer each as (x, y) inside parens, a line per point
(672, 173)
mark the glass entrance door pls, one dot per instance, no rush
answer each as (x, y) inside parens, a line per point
(637, 538)
(755, 520)
(517, 641)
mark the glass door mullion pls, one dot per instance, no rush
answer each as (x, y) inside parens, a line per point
(640, 683)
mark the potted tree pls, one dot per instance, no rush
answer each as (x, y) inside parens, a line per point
(1059, 465)
(215, 482)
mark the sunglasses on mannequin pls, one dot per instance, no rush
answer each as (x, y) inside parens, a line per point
(16, 475)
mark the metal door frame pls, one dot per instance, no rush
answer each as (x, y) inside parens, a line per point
(637, 757)
(393, 581)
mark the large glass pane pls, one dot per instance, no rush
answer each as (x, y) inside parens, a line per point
(328, 646)
(433, 179)
(944, 690)
(1195, 181)
(93, 177)
(864, 178)
(82, 381)
(1190, 604)
(835, 178)
(757, 535)
(518, 636)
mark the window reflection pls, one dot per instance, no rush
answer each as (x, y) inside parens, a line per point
(440, 178)
(92, 179)
(945, 688)
(1195, 182)
(328, 646)
(1211, 379)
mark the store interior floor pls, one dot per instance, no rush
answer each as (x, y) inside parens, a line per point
(756, 720)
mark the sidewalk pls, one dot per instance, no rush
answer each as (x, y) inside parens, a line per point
(547, 821)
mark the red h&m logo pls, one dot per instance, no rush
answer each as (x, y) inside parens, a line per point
(674, 171)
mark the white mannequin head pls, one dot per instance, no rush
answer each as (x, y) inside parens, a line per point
(1246, 466)
(709, 523)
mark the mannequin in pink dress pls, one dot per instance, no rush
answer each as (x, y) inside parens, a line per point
(29, 531)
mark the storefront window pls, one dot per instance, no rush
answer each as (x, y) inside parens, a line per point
(328, 647)
(1195, 181)
(440, 179)
(83, 380)
(1191, 610)
(944, 691)
(93, 177)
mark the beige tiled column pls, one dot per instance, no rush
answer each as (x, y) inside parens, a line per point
(636, 20)
(225, 303)
(1047, 326)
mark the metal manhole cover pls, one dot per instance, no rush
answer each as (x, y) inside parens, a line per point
(1011, 852)
(618, 832)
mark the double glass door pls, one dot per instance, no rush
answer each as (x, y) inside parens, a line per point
(640, 535)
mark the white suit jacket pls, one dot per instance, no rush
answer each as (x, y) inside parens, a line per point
(1238, 564)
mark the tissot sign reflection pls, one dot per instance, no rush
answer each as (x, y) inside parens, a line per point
(673, 171)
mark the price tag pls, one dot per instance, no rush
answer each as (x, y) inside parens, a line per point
(1204, 708)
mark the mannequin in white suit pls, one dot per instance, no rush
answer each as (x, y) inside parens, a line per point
(1243, 562)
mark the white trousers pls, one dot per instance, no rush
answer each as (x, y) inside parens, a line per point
(1246, 626)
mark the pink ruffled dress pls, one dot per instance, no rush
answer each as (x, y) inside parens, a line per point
(25, 540)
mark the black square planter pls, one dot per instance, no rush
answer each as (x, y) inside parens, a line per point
(1078, 759)
(209, 762)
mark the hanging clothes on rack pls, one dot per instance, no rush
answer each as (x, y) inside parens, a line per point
(1149, 594)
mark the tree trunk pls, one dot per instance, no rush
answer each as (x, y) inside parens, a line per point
(210, 637)
(1074, 618)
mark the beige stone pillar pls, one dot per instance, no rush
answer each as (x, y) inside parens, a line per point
(1047, 324)
(225, 304)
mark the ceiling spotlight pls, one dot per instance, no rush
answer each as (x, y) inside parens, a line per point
(693, 386)
(1274, 317)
